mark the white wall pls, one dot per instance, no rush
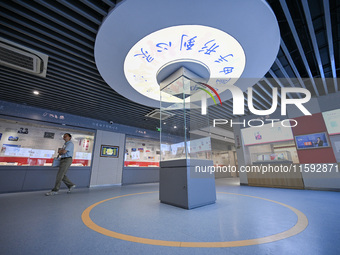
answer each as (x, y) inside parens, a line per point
(106, 170)
(240, 152)
(326, 178)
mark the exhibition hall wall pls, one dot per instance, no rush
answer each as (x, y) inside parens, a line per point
(312, 142)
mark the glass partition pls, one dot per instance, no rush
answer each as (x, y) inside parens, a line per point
(185, 123)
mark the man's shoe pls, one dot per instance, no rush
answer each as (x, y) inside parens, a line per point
(71, 188)
(51, 193)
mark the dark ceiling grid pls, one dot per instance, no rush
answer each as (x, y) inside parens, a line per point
(314, 43)
(121, 100)
(331, 49)
(291, 68)
(73, 92)
(305, 54)
(75, 6)
(301, 25)
(66, 31)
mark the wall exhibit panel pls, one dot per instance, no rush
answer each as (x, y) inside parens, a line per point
(309, 125)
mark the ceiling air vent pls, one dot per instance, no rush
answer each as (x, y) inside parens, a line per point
(156, 114)
(22, 58)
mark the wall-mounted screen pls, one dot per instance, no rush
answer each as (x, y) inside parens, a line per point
(109, 151)
(312, 141)
(332, 121)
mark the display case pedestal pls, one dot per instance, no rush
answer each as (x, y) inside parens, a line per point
(180, 185)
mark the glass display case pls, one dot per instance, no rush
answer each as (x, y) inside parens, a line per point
(185, 143)
(270, 157)
(184, 123)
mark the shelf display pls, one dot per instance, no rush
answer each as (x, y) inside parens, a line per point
(140, 152)
(28, 144)
(283, 156)
(271, 152)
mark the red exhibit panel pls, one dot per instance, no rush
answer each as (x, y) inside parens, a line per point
(140, 164)
(24, 161)
(311, 125)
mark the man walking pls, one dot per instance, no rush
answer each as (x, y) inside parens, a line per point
(66, 154)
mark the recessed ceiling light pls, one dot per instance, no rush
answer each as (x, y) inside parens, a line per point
(35, 92)
(175, 126)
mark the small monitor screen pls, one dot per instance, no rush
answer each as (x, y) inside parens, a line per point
(312, 141)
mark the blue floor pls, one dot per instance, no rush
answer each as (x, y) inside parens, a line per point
(32, 223)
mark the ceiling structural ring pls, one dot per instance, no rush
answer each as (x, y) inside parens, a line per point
(220, 53)
(231, 42)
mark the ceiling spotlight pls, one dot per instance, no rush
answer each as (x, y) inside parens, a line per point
(164, 123)
(175, 126)
(35, 92)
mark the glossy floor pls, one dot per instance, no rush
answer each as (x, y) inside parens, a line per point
(32, 223)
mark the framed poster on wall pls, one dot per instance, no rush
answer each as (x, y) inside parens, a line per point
(109, 151)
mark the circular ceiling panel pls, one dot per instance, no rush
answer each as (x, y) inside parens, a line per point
(221, 53)
(235, 40)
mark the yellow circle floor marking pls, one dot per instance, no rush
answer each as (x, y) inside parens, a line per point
(300, 225)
